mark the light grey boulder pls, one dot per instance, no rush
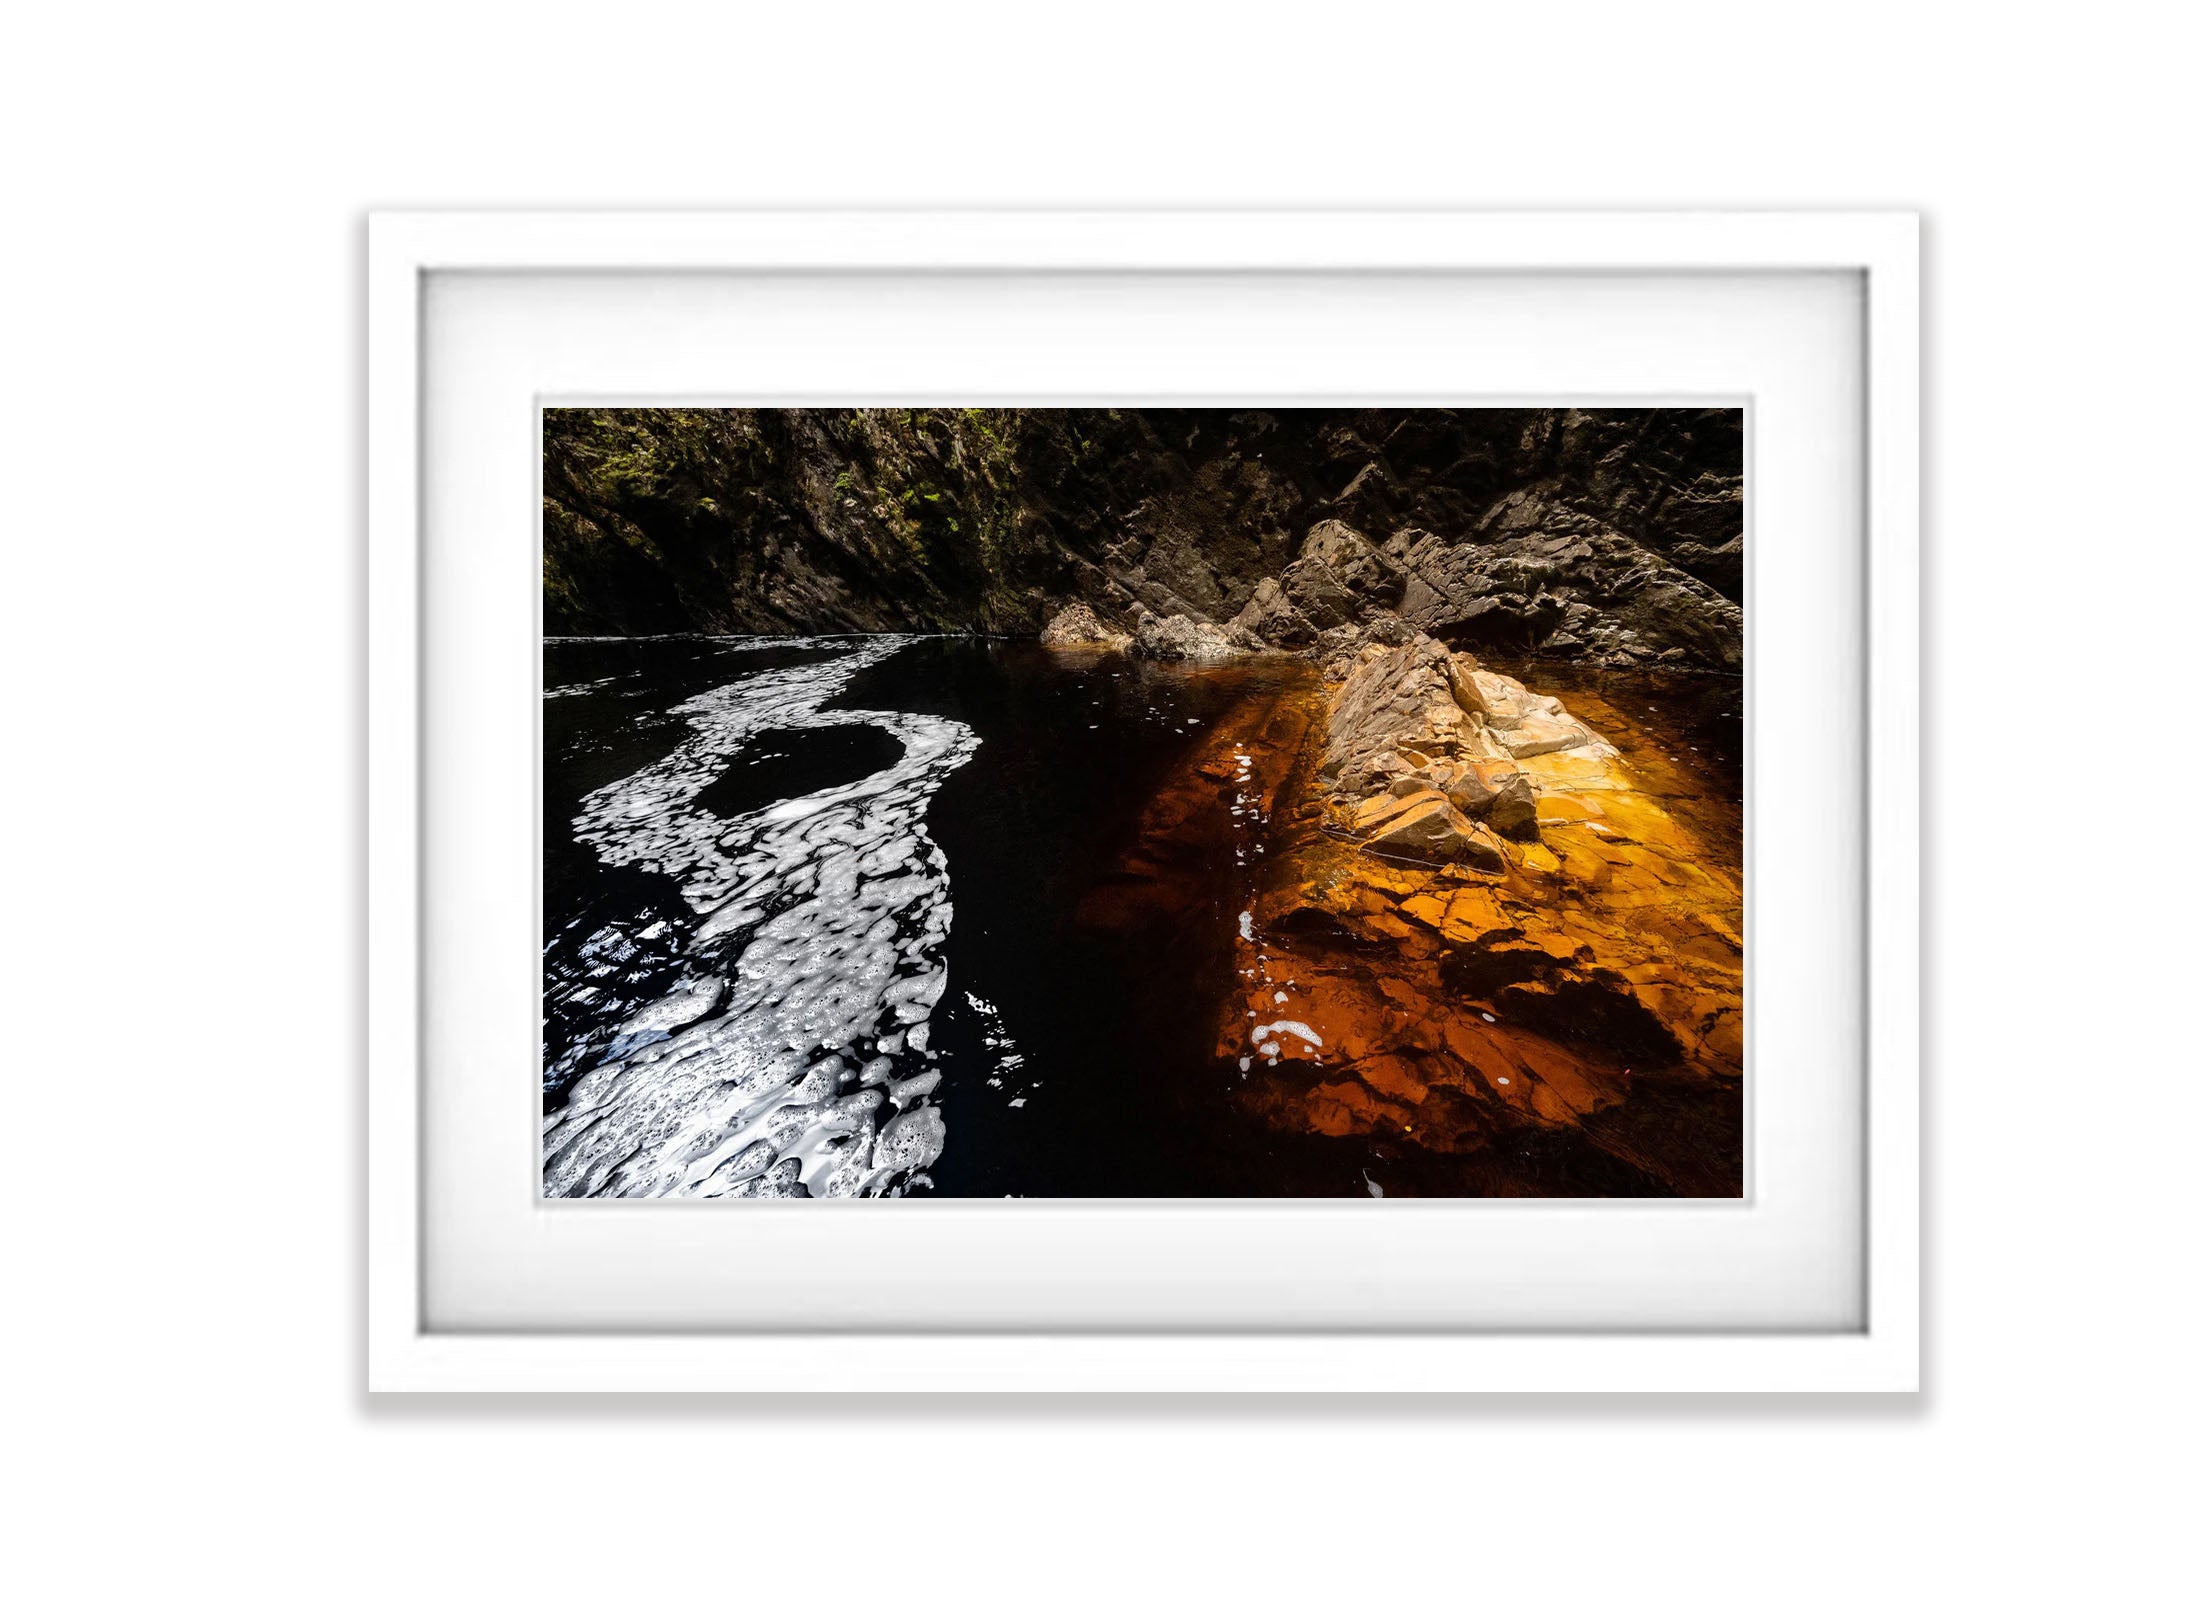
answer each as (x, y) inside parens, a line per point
(1077, 625)
(1182, 639)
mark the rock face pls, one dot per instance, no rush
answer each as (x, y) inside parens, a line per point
(1545, 577)
(1611, 536)
(1271, 617)
(1340, 578)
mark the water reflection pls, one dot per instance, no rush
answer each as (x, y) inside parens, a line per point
(968, 917)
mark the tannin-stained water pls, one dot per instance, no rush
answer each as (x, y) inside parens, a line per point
(934, 916)
(1571, 1025)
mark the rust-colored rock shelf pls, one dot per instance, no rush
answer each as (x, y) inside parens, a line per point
(1551, 1005)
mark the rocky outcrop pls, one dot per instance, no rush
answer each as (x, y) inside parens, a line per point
(1415, 821)
(1508, 975)
(1456, 995)
(1611, 536)
(1181, 639)
(1547, 579)
(1271, 618)
(1424, 748)
(1075, 627)
(1338, 581)
(1340, 578)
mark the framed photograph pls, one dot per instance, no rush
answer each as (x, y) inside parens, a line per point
(1054, 801)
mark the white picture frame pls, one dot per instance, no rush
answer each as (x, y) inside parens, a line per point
(406, 1351)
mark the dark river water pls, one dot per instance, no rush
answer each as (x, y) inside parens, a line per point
(957, 917)
(813, 917)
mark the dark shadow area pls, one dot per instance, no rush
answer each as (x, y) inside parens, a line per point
(786, 763)
(1078, 1053)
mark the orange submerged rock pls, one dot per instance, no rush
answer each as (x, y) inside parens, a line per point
(1585, 985)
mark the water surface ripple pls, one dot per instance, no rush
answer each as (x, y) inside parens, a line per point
(787, 1051)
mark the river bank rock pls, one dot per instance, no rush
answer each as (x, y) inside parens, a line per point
(1414, 722)
(1611, 536)
(1487, 1009)
(1076, 626)
(1271, 617)
(1496, 791)
(1542, 576)
(1340, 578)
(1470, 998)
(1182, 639)
(1419, 823)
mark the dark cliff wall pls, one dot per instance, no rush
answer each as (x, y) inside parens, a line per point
(1615, 535)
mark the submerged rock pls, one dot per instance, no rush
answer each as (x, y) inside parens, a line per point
(1472, 1004)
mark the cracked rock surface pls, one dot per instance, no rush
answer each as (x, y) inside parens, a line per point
(1501, 925)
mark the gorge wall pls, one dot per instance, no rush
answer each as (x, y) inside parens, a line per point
(1611, 537)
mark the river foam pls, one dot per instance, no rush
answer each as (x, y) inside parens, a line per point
(787, 1051)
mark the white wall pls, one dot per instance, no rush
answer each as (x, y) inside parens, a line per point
(181, 636)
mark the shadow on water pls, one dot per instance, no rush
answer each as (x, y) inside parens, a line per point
(786, 763)
(1080, 1053)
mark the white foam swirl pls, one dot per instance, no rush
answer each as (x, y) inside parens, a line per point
(780, 1062)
